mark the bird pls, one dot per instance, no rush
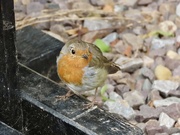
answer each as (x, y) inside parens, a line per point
(82, 67)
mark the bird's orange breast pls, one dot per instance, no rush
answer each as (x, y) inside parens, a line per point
(70, 68)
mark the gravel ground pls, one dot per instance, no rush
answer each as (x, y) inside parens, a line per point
(144, 39)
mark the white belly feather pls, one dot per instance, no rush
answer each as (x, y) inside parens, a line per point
(92, 78)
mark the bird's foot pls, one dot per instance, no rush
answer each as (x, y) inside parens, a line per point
(65, 97)
(89, 105)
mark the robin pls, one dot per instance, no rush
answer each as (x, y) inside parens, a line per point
(82, 67)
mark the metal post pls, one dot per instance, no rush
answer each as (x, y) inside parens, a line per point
(10, 103)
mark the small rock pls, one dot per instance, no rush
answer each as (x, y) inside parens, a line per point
(178, 123)
(120, 107)
(91, 36)
(130, 66)
(97, 2)
(158, 61)
(177, 22)
(178, 51)
(175, 93)
(34, 7)
(168, 26)
(144, 2)
(59, 29)
(145, 113)
(139, 83)
(110, 88)
(147, 86)
(81, 5)
(153, 127)
(178, 10)
(18, 7)
(141, 126)
(173, 111)
(154, 95)
(147, 61)
(134, 98)
(176, 71)
(139, 30)
(110, 38)
(19, 16)
(51, 6)
(176, 134)
(159, 43)
(25, 2)
(134, 14)
(162, 73)
(171, 63)
(130, 3)
(161, 134)
(118, 8)
(99, 24)
(167, 8)
(114, 96)
(173, 55)
(120, 47)
(166, 102)
(165, 120)
(165, 86)
(121, 89)
(157, 52)
(135, 41)
(146, 72)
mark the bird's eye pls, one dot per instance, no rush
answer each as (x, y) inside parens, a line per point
(73, 51)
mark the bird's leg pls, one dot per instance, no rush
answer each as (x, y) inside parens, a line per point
(65, 97)
(92, 103)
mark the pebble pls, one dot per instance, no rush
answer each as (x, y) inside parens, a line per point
(159, 43)
(120, 8)
(166, 102)
(173, 111)
(144, 2)
(146, 72)
(135, 41)
(175, 93)
(134, 98)
(147, 61)
(173, 55)
(171, 63)
(99, 24)
(120, 107)
(130, 66)
(110, 38)
(165, 120)
(178, 123)
(168, 26)
(130, 3)
(167, 8)
(162, 73)
(178, 10)
(34, 7)
(97, 2)
(121, 89)
(146, 112)
(176, 71)
(154, 95)
(146, 86)
(153, 127)
(165, 86)
(139, 30)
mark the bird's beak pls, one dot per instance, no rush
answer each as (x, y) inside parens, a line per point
(85, 56)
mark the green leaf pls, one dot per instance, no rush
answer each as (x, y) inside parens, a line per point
(102, 45)
(103, 90)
